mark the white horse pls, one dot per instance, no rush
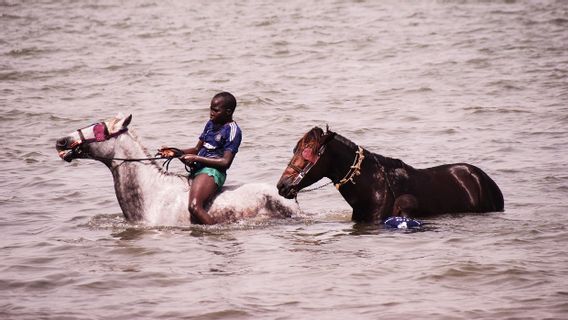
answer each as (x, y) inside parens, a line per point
(147, 193)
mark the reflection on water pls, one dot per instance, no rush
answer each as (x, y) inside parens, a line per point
(131, 234)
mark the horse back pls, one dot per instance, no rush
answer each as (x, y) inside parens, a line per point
(454, 188)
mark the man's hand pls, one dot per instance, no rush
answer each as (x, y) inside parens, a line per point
(169, 152)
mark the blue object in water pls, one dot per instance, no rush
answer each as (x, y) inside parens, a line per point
(402, 223)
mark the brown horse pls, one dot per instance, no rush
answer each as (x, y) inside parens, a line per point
(371, 183)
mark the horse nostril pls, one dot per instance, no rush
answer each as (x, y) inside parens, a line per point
(62, 142)
(283, 189)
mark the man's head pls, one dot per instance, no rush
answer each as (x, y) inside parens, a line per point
(225, 100)
(223, 105)
(405, 205)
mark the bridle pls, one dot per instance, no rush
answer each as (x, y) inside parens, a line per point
(354, 169)
(302, 172)
(101, 133)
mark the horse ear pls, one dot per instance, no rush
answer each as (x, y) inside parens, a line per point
(127, 121)
(328, 134)
(124, 122)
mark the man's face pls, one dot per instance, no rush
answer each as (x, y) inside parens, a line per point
(218, 113)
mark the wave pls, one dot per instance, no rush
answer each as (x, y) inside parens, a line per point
(498, 110)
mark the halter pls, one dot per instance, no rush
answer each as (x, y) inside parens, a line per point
(101, 132)
(354, 169)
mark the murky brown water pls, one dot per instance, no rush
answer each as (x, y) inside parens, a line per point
(428, 82)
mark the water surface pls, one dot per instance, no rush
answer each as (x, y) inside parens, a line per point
(429, 82)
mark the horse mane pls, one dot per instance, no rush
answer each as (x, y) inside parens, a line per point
(382, 160)
(132, 133)
(350, 144)
(314, 135)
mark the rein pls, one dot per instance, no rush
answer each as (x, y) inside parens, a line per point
(354, 171)
(102, 133)
(166, 164)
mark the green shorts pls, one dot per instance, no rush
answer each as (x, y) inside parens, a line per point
(217, 175)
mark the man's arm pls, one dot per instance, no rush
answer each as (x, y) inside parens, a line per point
(218, 163)
(195, 149)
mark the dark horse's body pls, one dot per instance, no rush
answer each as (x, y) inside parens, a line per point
(371, 183)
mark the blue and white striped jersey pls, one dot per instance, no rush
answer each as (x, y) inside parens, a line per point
(220, 138)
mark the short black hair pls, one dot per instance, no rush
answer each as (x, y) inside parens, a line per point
(229, 100)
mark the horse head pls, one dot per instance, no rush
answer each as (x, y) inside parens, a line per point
(308, 164)
(96, 140)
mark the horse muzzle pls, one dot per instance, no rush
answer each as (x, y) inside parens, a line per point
(64, 150)
(67, 155)
(287, 190)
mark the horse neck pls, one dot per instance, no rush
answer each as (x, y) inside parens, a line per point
(138, 184)
(343, 153)
(127, 146)
(369, 190)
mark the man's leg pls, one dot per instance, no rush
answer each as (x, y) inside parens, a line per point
(203, 187)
